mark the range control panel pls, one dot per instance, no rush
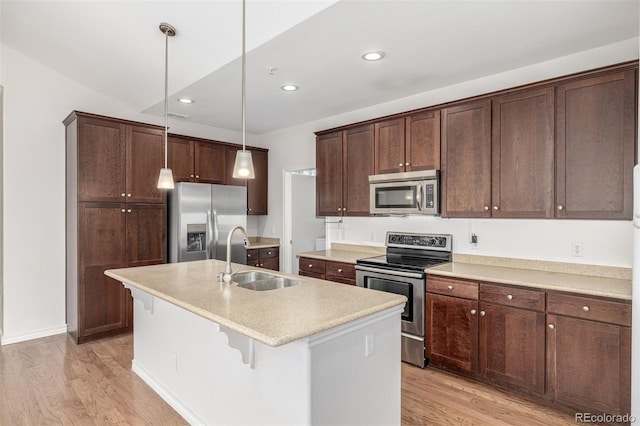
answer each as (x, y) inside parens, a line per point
(419, 241)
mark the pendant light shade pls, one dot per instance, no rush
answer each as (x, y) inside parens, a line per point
(243, 167)
(165, 179)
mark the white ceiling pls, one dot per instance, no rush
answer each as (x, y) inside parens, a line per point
(115, 47)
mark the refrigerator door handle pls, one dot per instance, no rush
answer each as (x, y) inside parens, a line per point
(209, 234)
(216, 236)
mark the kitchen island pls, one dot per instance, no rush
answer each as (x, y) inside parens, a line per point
(313, 353)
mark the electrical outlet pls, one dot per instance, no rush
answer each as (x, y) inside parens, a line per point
(370, 345)
(576, 249)
(474, 239)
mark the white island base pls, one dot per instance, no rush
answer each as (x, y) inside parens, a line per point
(348, 375)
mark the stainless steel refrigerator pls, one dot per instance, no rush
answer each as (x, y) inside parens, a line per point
(200, 218)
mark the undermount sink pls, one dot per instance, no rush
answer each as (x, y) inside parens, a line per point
(262, 281)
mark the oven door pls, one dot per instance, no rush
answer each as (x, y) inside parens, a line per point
(411, 285)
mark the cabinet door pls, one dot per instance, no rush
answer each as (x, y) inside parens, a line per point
(359, 154)
(466, 160)
(595, 139)
(146, 234)
(523, 150)
(512, 346)
(589, 364)
(452, 332)
(210, 162)
(422, 147)
(257, 199)
(389, 146)
(145, 158)
(180, 159)
(329, 174)
(103, 303)
(101, 160)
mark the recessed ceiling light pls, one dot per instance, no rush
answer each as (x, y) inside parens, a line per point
(289, 87)
(185, 100)
(373, 56)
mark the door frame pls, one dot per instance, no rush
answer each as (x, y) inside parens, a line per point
(287, 214)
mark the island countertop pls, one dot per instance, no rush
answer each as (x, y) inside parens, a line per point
(274, 317)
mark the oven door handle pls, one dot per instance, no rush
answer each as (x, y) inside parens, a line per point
(388, 272)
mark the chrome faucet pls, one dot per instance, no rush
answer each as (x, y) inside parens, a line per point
(226, 277)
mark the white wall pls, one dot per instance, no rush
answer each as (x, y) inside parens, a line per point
(37, 99)
(604, 242)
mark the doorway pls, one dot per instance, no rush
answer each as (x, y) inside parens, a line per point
(301, 226)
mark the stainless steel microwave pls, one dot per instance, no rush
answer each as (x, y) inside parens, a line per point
(405, 193)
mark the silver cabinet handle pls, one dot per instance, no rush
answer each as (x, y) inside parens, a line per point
(344, 209)
(339, 270)
(551, 326)
(400, 165)
(123, 194)
(191, 176)
(560, 207)
(197, 176)
(310, 265)
(486, 208)
(123, 210)
(449, 287)
(496, 208)
(339, 209)
(585, 308)
(249, 256)
(129, 195)
(406, 164)
(268, 253)
(482, 313)
(473, 312)
(509, 296)
(128, 210)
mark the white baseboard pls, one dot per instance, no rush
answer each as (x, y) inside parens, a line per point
(8, 340)
(166, 395)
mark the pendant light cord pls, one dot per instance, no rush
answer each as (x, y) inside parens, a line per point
(166, 94)
(244, 94)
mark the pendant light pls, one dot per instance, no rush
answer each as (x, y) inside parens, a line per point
(243, 167)
(165, 180)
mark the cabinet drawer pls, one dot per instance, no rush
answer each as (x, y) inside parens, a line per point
(340, 280)
(339, 269)
(311, 274)
(253, 254)
(589, 308)
(268, 252)
(452, 287)
(513, 296)
(311, 265)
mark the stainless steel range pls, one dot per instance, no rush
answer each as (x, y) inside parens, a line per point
(402, 271)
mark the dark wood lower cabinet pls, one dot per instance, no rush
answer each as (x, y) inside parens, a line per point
(512, 346)
(339, 272)
(267, 258)
(589, 364)
(110, 235)
(452, 332)
(570, 349)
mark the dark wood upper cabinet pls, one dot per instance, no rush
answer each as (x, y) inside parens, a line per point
(144, 159)
(389, 143)
(100, 160)
(329, 159)
(210, 162)
(422, 136)
(522, 148)
(466, 160)
(596, 146)
(359, 155)
(408, 143)
(257, 189)
(180, 155)
(197, 161)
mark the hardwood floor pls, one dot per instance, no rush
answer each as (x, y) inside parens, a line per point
(52, 381)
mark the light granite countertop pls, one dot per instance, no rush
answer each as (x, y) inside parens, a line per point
(263, 242)
(574, 283)
(345, 253)
(274, 317)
